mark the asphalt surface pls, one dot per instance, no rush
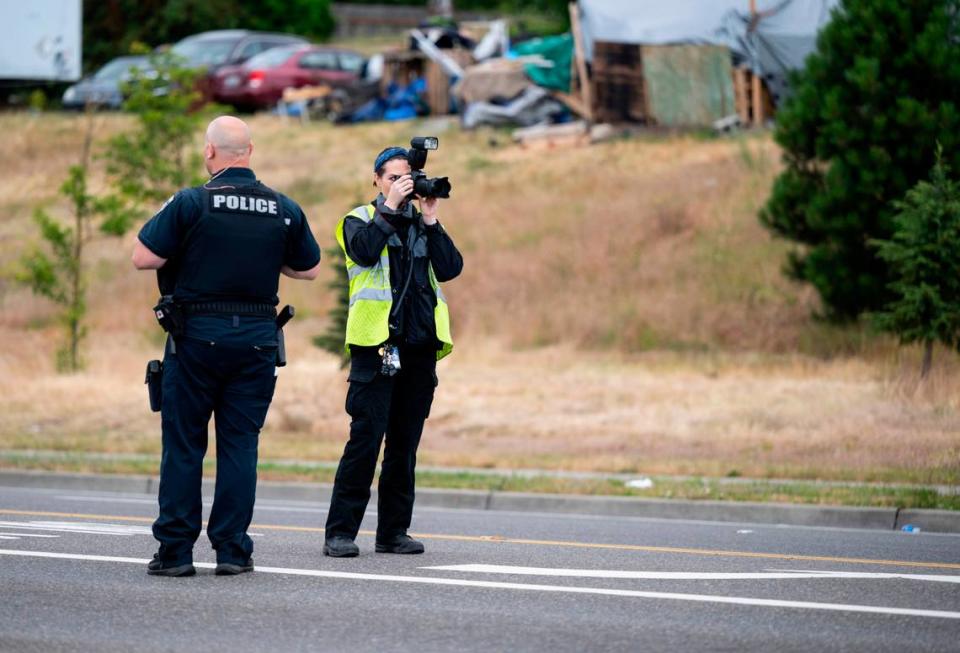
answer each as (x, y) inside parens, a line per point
(73, 563)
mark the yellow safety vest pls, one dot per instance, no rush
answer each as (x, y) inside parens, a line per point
(371, 296)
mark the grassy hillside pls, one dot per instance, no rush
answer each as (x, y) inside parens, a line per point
(627, 245)
(620, 309)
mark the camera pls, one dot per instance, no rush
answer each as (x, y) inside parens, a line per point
(424, 186)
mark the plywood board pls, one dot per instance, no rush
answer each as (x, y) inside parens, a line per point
(688, 85)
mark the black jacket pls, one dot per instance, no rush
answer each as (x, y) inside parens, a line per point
(411, 245)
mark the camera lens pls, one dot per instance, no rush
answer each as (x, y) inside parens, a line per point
(435, 187)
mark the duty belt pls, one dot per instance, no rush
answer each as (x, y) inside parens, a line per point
(230, 308)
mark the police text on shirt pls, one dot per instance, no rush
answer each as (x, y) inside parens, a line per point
(244, 203)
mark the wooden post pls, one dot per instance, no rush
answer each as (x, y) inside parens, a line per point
(580, 60)
(740, 93)
(758, 116)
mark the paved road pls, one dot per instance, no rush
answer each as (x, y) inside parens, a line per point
(72, 577)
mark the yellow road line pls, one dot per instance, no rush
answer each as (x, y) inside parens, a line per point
(72, 515)
(558, 543)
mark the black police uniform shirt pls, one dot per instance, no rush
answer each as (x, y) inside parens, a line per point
(228, 239)
(416, 244)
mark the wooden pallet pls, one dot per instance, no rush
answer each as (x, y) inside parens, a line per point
(618, 97)
(617, 59)
(438, 81)
(617, 91)
(753, 101)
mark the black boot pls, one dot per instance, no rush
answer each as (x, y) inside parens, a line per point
(231, 569)
(157, 567)
(402, 543)
(340, 546)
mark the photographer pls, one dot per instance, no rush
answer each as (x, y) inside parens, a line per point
(398, 326)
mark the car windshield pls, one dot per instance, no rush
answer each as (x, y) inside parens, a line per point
(351, 62)
(273, 56)
(204, 52)
(115, 69)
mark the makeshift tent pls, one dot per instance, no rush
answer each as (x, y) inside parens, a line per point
(784, 34)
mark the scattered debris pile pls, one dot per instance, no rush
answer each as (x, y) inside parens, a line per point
(623, 62)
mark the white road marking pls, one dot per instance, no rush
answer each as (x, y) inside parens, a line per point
(86, 528)
(261, 506)
(66, 530)
(7, 537)
(94, 499)
(773, 574)
(27, 535)
(316, 511)
(634, 575)
(560, 589)
(936, 578)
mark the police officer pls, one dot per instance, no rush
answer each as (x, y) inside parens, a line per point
(398, 326)
(219, 249)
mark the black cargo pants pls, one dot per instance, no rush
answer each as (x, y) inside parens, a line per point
(223, 366)
(395, 407)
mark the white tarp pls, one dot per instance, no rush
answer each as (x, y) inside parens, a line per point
(784, 34)
(41, 39)
(654, 22)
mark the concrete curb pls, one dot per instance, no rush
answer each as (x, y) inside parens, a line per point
(938, 521)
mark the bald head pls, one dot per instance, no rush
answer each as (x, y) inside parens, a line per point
(228, 144)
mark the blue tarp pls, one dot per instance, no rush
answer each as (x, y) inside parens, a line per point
(401, 103)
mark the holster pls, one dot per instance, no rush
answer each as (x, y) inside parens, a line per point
(281, 349)
(284, 316)
(154, 383)
(169, 315)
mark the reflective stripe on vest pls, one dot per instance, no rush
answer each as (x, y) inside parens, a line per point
(371, 296)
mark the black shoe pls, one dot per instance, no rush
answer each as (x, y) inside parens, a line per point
(399, 544)
(340, 546)
(156, 567)
(230, 569)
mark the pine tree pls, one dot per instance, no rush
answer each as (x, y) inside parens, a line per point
(924, 259)
(60, 277)
(882, 87)
(334, 338)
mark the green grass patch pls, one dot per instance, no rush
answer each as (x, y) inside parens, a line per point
(696, 489)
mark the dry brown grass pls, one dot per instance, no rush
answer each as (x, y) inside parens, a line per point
(621, 309)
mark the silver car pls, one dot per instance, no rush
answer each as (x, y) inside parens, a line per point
(103, 88)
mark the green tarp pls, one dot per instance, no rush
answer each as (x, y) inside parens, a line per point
(556, 49)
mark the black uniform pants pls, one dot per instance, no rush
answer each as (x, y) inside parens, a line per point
(382, 406)
(223, 366)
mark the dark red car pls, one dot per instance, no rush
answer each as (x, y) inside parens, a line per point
(259, 83)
